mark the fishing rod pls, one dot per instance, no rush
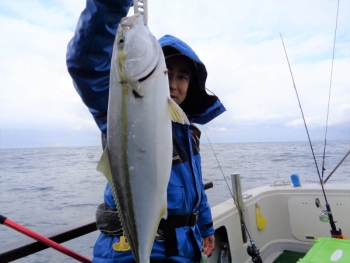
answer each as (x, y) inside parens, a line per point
(342, 160)
(7, 222)
(329, 94)
(252, 250)
(334, 232)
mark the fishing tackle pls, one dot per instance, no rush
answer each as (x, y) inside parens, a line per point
(334, 232)
(252, 250)
(346, 155)
(141, 6)
(329, 94)
(7, 222)
(324, 214)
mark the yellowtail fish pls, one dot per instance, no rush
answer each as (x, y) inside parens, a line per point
(137, 158)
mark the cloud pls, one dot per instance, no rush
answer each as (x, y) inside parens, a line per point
(239, 43)
(36, 88)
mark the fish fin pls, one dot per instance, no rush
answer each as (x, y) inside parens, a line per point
(137, 95)
(176, 113)
(137, 89)
(104, 166)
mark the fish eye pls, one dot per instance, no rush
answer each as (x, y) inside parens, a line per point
(121, 41)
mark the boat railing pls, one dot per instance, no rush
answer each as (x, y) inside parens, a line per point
(26, 246)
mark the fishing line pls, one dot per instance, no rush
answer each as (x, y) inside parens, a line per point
(222, 172)
(252, 251)
(329, 94)
(334, 231)
(302, 113)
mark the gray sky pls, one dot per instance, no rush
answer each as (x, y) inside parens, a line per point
(239, 43)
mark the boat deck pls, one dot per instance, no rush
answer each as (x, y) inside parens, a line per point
(287, 256)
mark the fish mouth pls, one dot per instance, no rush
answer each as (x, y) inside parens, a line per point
(129, 21)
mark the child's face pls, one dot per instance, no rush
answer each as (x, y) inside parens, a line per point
(179, 72)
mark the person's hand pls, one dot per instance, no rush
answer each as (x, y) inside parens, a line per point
(208, 244)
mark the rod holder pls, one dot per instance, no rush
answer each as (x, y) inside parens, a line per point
(237, 194)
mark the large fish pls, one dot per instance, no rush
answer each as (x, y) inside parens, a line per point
(138, 156)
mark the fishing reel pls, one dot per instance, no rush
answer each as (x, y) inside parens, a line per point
(323, 216)
(253, 251)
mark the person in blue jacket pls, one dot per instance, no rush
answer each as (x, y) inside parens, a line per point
(188, 230)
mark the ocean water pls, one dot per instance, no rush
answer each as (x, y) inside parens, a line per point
(43, 188)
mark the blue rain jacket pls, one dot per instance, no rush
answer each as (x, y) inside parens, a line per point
(88, 60)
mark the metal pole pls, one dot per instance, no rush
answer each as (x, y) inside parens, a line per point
(237, 193)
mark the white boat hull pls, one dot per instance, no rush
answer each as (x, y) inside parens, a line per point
(292, 219)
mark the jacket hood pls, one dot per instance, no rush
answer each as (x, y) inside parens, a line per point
(199, 106)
